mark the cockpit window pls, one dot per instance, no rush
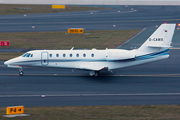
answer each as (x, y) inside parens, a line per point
(28, 54)
(24, 55)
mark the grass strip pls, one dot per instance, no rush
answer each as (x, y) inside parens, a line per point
(9, 55)
(138, 112)
(99, 39)
(6, 9)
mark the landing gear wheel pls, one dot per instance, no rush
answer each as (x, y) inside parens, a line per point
(21, 73)
(96, 73)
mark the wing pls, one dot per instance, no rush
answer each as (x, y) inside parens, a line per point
(92, 67)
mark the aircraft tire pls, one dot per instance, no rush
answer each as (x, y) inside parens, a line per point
(96, 73)
(21, 73)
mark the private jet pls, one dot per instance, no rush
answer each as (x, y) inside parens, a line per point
(156, 47)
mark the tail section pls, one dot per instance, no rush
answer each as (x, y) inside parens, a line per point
(159, 41)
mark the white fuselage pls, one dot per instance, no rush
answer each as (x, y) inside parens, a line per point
(95, 60)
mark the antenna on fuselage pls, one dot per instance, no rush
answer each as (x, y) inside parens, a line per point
(72, 48)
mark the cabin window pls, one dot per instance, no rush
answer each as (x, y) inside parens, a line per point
(77, 55)
(92, 55)
(70, 55)
(31, 55)
(84, 55)
(50, 55)
(57, 55)
(64, 55)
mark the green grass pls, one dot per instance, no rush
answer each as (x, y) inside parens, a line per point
(138, 112)
(9, 55)
(99, 39)
(36, 9)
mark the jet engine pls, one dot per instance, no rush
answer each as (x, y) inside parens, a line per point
(118, 54)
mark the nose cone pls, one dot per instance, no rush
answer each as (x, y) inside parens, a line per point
(7, 62)
(13, 61)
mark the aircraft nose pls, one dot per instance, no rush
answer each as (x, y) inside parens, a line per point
(11, 61)
(6, 63)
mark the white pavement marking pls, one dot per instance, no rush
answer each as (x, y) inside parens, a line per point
(81, 75)
(88, 22)
(132, 37)
(62, 15)
(16, 115)
(79, 95)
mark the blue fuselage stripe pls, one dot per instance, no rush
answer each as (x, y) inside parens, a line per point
(153, 55)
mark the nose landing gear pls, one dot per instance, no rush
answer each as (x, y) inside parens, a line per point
(21, 72)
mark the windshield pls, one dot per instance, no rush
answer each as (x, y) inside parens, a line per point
(27, 55)
(24, 54)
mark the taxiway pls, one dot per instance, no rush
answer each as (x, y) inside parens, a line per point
(123, 17)
(149, 84)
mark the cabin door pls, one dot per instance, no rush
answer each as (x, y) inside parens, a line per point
(44, 58)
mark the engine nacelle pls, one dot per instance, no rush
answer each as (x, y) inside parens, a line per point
(118, 54)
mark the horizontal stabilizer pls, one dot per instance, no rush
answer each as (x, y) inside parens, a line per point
(163, 46)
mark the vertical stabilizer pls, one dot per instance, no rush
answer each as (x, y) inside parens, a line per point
(160, 40)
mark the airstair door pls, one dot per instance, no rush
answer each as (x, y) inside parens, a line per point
(44, 58)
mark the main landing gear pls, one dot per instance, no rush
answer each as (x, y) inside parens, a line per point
(21, 72)
(94, 73)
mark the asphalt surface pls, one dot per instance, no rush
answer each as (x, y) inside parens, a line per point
(138, 18)
(141, 17)
(149, 84)
(137, 40)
